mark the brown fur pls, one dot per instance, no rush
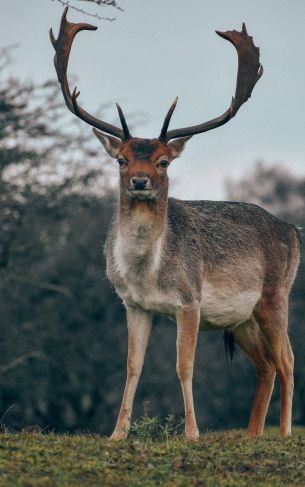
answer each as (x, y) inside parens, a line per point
(207, 265)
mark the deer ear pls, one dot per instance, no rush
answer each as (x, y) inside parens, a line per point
(112, 144)
(176, 146)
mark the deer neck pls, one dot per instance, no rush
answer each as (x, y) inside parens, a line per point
(140, 237)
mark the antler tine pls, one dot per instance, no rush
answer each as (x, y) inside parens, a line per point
(62, 46)
(167, 119)
(249, 72)
(123, 123)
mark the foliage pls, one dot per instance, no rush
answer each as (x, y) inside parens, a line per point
(215, 460)
(35, 149)
(150, 428)
(43, 179)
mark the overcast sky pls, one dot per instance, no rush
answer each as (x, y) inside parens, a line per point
(157, 49)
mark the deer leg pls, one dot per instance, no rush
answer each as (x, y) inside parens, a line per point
(272, 317)
(187, 332)
(249, 337)
(285, 372)
(139, 327)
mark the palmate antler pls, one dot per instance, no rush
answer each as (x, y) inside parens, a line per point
(62, 46)
(249, 72)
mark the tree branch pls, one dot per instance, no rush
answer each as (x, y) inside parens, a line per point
(66, 3)
(42, 285)
(4, 369)
(105, 3)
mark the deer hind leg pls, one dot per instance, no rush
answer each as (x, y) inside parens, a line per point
(272, 317)
(139, 327)
(249, 337)
(187, 332)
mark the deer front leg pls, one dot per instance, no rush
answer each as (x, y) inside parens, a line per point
(188, 326)
(139, 327)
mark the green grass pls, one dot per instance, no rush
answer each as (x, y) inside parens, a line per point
(217, 459)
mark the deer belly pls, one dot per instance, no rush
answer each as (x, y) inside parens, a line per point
(224, 307)
(153, 299)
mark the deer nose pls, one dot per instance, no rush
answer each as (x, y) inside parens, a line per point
(139, 182)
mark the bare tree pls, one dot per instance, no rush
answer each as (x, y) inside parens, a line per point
(101, 3)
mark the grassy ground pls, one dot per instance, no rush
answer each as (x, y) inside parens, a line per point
(216, 460)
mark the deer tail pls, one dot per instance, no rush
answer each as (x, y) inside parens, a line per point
(229, 343)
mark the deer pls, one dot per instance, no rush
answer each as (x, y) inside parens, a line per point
(208, 265)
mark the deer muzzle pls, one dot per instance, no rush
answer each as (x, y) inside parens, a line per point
(140, 186)
(140, 182)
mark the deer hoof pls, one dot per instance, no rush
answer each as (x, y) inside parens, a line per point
(118, 436)
(192, 435)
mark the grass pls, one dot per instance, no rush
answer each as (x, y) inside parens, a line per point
(154, 456)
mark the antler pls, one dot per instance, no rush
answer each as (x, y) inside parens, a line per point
(62, 46)
(249, 72)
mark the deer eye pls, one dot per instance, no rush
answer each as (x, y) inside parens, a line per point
(121, 161)
(164, 163)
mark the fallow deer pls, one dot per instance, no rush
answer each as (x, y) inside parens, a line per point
(207, 264)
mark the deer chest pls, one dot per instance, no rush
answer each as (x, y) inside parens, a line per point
(136, 268)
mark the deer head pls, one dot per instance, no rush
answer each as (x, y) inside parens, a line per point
(143, 162)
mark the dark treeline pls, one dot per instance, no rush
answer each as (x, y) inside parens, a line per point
(63, 333)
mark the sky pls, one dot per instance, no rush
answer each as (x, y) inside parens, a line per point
(156, 50)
